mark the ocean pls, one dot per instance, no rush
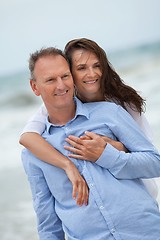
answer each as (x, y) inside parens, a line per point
(138, 67)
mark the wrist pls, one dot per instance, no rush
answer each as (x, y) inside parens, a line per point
(68, 165)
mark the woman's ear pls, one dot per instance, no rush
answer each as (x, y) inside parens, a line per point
(33, 85)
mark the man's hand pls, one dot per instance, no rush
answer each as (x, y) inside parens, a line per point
(80, 189)
(89, 147)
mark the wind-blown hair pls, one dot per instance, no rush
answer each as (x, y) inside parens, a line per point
(112, 86)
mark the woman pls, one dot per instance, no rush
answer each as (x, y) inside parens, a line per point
(95, 80)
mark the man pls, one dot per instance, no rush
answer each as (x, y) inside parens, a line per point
(119, 205)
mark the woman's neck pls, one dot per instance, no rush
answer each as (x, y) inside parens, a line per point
(91, 98)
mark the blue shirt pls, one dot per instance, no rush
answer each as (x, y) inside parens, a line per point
(120, 208)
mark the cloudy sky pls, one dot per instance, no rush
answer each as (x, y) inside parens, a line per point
(30, 24)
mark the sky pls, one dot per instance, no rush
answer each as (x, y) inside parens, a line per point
(29, 25)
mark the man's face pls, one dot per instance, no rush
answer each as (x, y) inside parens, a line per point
(53, 82)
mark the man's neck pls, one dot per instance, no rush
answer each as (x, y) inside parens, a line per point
(63, 115)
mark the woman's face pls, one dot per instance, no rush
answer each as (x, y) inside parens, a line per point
(87, 74)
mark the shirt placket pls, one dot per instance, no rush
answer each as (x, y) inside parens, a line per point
(100, 205)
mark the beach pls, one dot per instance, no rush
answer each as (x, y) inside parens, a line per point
(139, 67)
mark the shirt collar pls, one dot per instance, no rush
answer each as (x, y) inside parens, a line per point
(81, 110)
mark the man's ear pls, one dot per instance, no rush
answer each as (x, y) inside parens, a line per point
(34, 87)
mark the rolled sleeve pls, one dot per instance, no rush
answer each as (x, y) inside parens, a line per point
(37, 122)
(34, 126)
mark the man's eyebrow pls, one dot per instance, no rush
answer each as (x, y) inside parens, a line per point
(68, 73)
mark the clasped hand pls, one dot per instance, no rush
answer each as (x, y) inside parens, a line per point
(88, 147)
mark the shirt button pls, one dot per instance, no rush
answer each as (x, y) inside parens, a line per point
(101, 207)
(91, 185)
(113, 230)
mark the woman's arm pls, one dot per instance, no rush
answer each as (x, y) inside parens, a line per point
(92, 150)
(88, 147)
(44, 151)
(32, 140)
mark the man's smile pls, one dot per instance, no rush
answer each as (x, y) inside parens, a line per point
(61, 93)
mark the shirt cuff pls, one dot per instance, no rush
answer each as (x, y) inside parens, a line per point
(109, 157)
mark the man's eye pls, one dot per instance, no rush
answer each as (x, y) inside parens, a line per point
(65, 76)
(50, 80)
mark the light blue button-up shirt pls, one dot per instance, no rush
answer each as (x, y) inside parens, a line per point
(120, 208)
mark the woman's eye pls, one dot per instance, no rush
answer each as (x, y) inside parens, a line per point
(81, 68)
(97, 66)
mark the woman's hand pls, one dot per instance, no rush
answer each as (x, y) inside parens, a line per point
(80, 189)
(88, 147)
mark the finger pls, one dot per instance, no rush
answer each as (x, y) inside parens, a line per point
(97, 138)
(73, 143)
(85, 138)
(80, 195)
(85, 194)
(91, 135)
(106, 139)
(80, 199)
(73, 150)
(86, 199)
(77, 193)
(80, 157)
(74, 191)
(75, 139)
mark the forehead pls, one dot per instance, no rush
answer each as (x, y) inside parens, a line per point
(83, 56)
(54, 65)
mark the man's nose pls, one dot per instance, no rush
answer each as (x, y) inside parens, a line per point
(60, 83)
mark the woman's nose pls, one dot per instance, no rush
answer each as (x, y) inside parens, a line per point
(91, 72)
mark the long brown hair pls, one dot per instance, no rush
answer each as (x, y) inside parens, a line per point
(112, 86)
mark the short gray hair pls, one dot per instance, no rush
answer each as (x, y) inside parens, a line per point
(43, 52)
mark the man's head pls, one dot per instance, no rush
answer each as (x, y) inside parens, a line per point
(51, 78)
(43, 52)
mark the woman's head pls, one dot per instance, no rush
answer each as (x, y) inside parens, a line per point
(88, 65)
(108, 85)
